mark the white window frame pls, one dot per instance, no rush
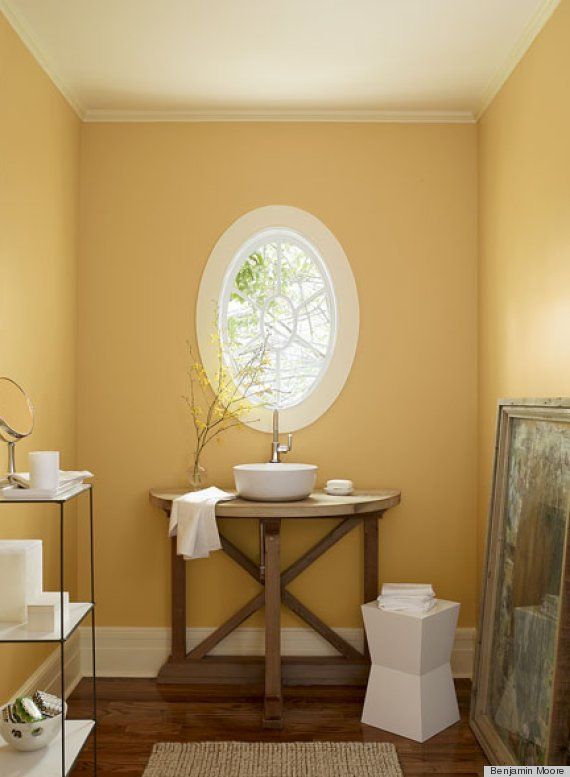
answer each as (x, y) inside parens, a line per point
(219, 263)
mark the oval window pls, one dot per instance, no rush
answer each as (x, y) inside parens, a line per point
(282, 286)
(277, 296)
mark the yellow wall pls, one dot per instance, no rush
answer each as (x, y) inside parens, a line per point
(402, 201)
(39, 169)
(524, 235)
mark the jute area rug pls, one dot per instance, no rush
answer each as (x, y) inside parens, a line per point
(273, 759)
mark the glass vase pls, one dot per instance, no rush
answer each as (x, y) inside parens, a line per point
(197, 476)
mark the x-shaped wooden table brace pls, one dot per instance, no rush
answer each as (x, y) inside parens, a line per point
(258, 572)
(275, 583)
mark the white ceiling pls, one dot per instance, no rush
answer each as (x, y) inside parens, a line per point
(169, 59)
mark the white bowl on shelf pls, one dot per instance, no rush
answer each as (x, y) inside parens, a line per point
(275, 482)
(30, 736)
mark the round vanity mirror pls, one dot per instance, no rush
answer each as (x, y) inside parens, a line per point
(16, 416)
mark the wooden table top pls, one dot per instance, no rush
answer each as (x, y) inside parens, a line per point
(317, 505)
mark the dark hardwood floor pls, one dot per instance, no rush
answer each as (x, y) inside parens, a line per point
(134, 714)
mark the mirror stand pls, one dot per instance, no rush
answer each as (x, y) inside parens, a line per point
(16, 417)
(11, 457)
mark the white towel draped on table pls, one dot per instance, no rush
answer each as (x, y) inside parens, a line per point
(407, 597)
(193, 522)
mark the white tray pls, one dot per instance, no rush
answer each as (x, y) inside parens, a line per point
(17, 494)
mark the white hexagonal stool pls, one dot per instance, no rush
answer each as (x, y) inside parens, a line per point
(410, 689)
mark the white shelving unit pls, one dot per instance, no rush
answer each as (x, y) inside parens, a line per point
(58, 758)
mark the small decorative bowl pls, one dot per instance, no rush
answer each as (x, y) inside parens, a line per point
(30, 736)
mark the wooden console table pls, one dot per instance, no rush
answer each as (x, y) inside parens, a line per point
(350, 667)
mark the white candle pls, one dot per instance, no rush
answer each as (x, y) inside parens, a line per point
(44, 470)
(20, 577)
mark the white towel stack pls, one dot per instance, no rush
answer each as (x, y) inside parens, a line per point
(407, 597)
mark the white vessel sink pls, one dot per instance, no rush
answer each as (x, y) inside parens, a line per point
(275, 482)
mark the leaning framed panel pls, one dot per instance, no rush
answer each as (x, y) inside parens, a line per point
(520, 707)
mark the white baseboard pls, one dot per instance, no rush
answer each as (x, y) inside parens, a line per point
(140, 652)
(47, 676)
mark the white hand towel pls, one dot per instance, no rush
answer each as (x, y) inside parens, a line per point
(193, 521)
(407, 589)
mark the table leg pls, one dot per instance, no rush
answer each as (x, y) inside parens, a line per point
(371, 558)
(273, 702)
(178, 576)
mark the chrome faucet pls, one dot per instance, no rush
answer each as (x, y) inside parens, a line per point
(277, 448)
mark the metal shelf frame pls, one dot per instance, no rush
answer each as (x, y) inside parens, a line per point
(63, 636)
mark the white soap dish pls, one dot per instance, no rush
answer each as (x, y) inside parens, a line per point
(339, 487)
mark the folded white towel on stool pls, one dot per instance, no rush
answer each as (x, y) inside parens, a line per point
(408, 603)
(411, 597)
(193, 522)
(407, 589)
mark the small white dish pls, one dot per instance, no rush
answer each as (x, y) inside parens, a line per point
(339, 487)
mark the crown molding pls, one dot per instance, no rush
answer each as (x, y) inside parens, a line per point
(133, 116)
(95, 115)
(535, 25)
(19, 25)
(380, 117)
